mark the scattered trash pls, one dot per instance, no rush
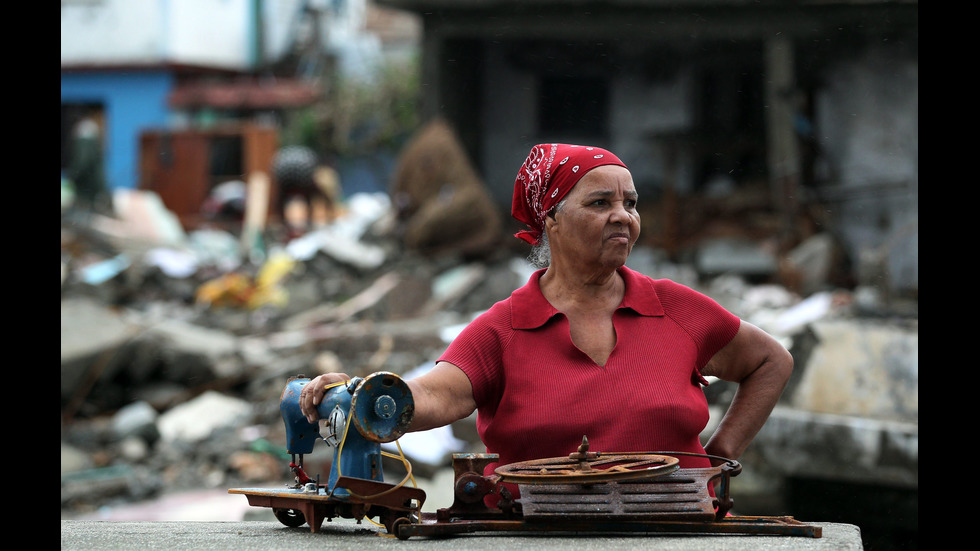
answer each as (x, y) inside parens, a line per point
(100, 272)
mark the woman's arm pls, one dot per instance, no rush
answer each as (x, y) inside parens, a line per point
(441, 396)
(761, 366)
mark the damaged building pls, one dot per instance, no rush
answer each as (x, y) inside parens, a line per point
(809, 107)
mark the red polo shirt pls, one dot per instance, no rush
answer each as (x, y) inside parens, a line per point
(537, 394)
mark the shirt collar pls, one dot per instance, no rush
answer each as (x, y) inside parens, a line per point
(530, 309)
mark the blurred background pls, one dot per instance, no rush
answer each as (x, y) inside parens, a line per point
(255, 189)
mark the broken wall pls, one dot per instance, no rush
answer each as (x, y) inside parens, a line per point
(868, 119)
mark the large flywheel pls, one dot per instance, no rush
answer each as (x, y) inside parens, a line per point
(585, 467)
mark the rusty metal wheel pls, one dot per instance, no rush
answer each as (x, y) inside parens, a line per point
(585, 467)
(290, 517)
(397, 524)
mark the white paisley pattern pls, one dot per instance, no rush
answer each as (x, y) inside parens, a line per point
(536, 175)
(541, 182)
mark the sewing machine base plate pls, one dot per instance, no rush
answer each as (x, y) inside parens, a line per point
(393, 506)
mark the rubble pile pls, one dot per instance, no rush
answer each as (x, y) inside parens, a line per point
(175, 350)
(435, 187)
(176, 347)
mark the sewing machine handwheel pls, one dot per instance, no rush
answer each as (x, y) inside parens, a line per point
(290, 517)
(592, 469)
(382, 407)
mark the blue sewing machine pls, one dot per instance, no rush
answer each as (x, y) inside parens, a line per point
(360, 415)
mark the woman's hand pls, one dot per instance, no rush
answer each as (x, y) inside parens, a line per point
(312, 393)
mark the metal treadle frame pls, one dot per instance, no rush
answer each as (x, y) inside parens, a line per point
(755, 525)
(677, 502)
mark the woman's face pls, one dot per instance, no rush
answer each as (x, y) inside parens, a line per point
(598, 224)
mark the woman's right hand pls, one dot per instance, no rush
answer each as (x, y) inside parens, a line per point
(312, 393)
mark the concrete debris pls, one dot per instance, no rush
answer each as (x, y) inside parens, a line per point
(338, 246)
(100, 272)
(89, 334)
(212, 247)
(866, 370)
(812, 263)
(74, 459)
(173, 262)
(795, 316)
(136, 419)
(140, 220)
(163, 392)
(113, 484)
(196, 419)
(255, 466)
(728, 255)
(203, 353)
(846, 448)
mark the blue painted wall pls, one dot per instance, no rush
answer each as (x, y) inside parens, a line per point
(134, 101)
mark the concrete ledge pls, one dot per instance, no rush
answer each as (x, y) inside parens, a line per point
(346, 534)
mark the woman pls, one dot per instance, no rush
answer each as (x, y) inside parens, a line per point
(589, 347)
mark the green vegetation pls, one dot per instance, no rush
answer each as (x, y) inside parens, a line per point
(360, 116)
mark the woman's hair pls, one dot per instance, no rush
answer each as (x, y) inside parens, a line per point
(540, 255)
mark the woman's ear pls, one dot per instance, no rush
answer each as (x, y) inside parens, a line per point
(551, 220)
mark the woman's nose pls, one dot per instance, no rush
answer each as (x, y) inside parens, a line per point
(620, 213)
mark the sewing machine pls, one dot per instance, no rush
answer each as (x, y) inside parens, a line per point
(360, 414)
(585, 491)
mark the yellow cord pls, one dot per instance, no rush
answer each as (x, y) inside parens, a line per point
(408, 465)
(408, 475)
(328, 387)
(340, 449)
(405, 462)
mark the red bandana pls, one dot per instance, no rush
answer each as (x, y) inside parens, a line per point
(548, 174)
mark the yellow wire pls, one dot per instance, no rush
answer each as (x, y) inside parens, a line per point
(340, 449)
(408, 475)
(405, 462)
(408, 465)
(378, 524)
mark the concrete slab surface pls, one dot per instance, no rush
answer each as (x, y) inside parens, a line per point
(348, 535)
